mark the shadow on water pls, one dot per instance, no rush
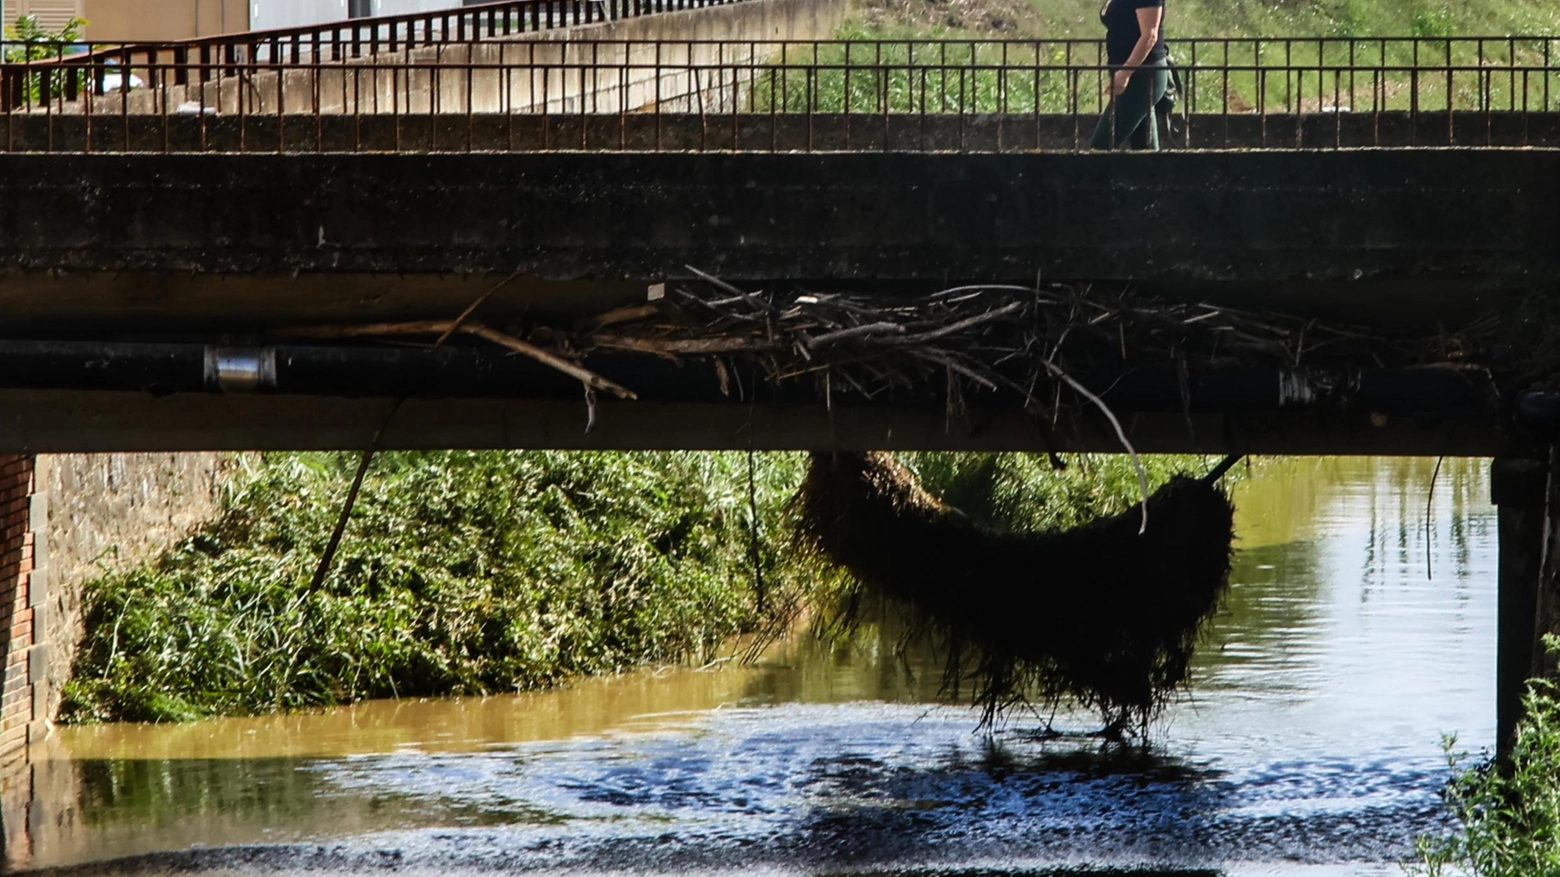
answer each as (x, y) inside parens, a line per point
(871, 812)
(1026, 804)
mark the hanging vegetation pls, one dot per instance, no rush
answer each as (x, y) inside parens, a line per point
(1105, 614)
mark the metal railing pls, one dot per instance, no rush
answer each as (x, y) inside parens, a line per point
(829, 94)
(31, 67)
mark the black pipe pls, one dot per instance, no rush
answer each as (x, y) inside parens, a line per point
(366, 370)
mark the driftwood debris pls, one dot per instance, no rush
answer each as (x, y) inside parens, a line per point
(1023, 343)
(1033, 348)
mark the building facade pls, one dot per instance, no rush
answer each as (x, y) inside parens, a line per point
(116, 20)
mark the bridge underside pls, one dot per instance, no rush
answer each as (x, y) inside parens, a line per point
(87, 396)
(74, 421)
(202, 251)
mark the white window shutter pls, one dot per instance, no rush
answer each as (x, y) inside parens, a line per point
(52, 15)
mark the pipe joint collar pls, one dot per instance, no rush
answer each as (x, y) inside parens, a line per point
(241, 369)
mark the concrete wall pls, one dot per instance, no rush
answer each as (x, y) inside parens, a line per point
(105, 512)
(276, 14)
(1437, 225)
(125, 20)
(407, 7)
(718, 128)
(64, 519)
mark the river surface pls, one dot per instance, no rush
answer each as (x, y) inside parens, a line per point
(1310, 743)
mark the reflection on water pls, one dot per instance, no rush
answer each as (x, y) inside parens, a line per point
(1353, 637)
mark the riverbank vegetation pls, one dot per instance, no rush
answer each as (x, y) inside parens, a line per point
(1509, 811)
(474, 573)
(460, 573)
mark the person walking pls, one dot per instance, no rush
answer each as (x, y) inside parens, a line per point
(1139, 73)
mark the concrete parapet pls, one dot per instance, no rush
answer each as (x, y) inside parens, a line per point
(718, 129)
(1437, 225)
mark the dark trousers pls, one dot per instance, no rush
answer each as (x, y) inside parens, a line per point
(1131, 113)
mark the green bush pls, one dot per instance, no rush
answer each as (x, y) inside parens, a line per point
(27, 41)
(460, 573)
(1433, 22)
(1509, 811)
(1029, 492)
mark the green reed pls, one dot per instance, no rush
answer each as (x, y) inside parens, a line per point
(1509, 810)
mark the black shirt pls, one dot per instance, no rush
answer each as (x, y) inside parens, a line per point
(1122, 31)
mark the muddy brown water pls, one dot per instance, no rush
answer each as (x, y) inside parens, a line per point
(1309, 743)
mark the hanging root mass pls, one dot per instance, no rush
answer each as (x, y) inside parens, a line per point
(1099, 615)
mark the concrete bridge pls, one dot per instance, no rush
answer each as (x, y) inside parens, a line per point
(1399, 183)
(157, 245)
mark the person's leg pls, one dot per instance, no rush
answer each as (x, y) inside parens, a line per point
(1105, 127)
(1133, 110)
(1147, 134)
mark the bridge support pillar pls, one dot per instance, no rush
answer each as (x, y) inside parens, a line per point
(1519, 488)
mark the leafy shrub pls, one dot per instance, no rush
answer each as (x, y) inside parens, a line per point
(1436, 22)
(1509, 811)
(460, 573)
(1028, 492)
(28, 41)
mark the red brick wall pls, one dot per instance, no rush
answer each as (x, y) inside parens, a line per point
(16, 613)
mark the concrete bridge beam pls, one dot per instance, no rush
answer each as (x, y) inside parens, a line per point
(1519, 489)
(104, 245)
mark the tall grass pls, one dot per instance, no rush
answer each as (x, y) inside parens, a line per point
(922, 76)
(1509, 811)
(867, 75)
(1060, 19)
